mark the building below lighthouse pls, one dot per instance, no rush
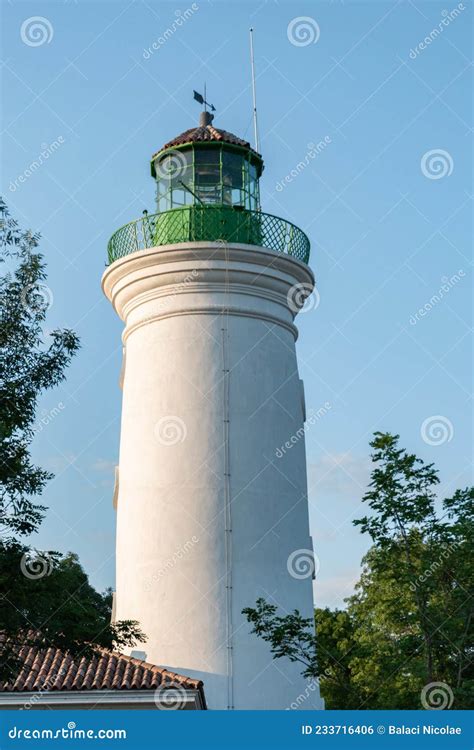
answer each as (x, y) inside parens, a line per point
(210, 514)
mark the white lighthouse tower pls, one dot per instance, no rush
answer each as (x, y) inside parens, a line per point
(212, 510)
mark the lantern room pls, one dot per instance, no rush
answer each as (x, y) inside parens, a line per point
(205, 166)
(207, 190)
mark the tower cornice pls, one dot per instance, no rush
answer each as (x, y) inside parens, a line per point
(206, 278)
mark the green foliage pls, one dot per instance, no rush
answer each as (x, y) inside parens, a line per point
(410, 621)
(336, 650)
(28, 367)
(46, 597)
(47, 600)
(401, 492)
(291, 636)
(415, 594)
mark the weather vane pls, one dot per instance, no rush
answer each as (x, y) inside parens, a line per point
(202, 100)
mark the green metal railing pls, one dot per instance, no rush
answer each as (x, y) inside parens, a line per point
(213, 223)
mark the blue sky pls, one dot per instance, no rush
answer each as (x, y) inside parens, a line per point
(388, 221)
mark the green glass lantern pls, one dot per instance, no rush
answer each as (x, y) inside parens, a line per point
(212, 178)
(207, 190)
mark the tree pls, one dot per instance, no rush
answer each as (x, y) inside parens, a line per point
(402, 497)
(409, 623)
(326, 656)
(28, 367)
(418, 575)
(336, 648)
(291, 636)
(47, 599)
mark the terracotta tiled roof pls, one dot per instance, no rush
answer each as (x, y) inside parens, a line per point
(51, 669)
(205, 133)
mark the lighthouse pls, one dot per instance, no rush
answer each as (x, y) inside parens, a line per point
(211, 487)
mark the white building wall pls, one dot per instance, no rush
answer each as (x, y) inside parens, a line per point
(207, 514)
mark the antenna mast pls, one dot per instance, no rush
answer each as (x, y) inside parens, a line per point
(254, 94)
